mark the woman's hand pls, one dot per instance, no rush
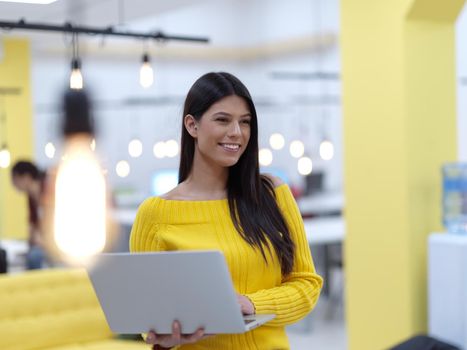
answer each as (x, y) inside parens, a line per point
(246, 305)
(176, 338)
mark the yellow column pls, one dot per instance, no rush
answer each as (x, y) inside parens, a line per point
(399, 128)
(14, 73)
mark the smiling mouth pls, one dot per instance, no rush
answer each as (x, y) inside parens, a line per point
(230, 147)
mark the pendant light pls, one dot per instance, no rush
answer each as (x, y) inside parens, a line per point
(146, 73)
(305, 166)
(296, 148)
(171, 148)
(135, 148)
(122, 168)
(5, 156)
(326, 149)
(265, 157)
(79, 220)
(49, 150)
(276, 141)
(159, 149)
(76, 78)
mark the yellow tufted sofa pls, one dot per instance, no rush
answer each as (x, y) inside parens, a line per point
(54, 309)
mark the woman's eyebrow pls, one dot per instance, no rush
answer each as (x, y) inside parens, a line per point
(248, 114)
(222, 113)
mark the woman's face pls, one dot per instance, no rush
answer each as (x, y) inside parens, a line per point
(223, 131)
(21, 182)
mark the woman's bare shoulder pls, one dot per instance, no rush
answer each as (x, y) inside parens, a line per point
(177, 193)
(172, 194)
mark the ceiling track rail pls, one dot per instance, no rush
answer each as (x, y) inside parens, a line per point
(106, 31)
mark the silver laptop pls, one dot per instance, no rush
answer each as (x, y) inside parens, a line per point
(140, 292)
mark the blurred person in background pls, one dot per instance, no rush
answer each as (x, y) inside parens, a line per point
(28, 178)
(223, 202)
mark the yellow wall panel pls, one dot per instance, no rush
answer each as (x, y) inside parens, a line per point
(399, 127)
(431, 126)
(15, 73)
(430, 10)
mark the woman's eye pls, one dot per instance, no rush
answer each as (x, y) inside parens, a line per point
(246, 121)
(222, 119)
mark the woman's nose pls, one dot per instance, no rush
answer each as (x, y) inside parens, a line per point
(235, 129)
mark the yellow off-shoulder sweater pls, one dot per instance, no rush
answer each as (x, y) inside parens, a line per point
(188, 225)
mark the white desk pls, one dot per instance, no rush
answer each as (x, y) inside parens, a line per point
(325, 230)
(124, 216)
(322, 203)
(323, 233)
(447, 288)
(15, 250)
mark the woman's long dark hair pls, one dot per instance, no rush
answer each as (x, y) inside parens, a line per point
(24, 167)
(252, 203)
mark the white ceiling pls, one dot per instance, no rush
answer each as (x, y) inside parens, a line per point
(99, 13)
(121, 14)
(234, 27)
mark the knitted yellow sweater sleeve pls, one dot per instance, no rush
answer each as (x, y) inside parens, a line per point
(299, 291)
(143, 235)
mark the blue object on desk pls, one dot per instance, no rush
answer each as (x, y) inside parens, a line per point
(163, 181)
(278, 172)
(455, 197)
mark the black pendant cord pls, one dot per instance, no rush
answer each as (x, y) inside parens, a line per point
(74, 46)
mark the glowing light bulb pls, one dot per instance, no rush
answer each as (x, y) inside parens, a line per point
(277, 141)
(297, 148)
(146, 74)
(171, 148)
(305, 166)
(326, 150)
(159, 149)
(76, 78)
(5, 157)
(265, 156)
(123, 168)
(135, 148)
(80, 201)
(49, 150)
(93, 144)
(78, 213)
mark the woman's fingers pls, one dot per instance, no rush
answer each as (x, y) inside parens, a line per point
(193, 338)
(176, 332)
(246, 305)
(151, 337)
(176, 338)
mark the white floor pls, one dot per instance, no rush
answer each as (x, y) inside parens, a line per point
(324, 328)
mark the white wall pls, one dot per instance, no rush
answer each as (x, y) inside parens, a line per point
(228, 23)
(248, 22)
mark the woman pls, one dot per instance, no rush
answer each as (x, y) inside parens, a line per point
(27, 178)
(222, 202)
